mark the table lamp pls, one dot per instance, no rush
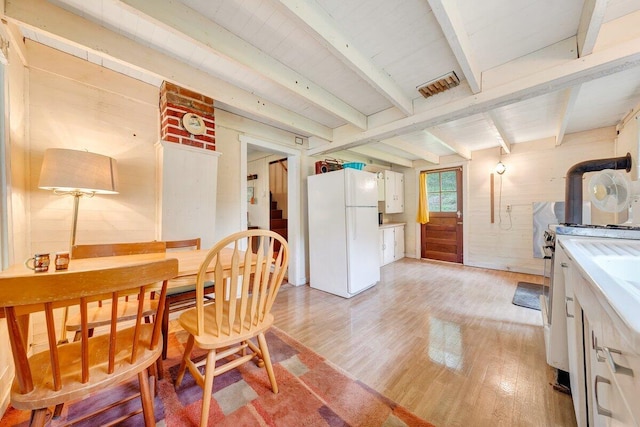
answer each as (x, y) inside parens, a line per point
(78, 174)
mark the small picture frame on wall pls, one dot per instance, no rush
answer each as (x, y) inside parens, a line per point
(250, 197)
(194, 124)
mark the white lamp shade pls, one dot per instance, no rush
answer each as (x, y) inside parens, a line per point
(72, 170)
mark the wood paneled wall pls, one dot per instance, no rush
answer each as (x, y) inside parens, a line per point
(119, 118)
(535, 173)
(259, 210)
(18, 200)
(629, 141)
(278, 184)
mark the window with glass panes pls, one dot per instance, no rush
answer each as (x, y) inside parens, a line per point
(442, 188)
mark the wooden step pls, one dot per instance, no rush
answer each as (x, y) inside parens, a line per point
(281, 231)
(274, 206)
(278, 223)
(276, 214)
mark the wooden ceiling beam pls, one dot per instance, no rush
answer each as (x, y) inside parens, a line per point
(381, 155)
(569, 102)
(62, 25)
(448, 16)
(313, 17)
(614, 59)
(187, 23)
(458, 149)
(591, 20)
(504, 139)
(410, 148)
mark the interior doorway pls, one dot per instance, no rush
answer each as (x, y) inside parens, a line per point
(278, 196)
(441, 238)
(257, 154)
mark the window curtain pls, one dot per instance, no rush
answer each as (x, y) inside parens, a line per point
(423, 205)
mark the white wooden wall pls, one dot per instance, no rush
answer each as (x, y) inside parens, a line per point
(233, 168)
(187, 186)
(258, 212)
(535, 172)
(78, 105)
(629, 141)
(17, 204)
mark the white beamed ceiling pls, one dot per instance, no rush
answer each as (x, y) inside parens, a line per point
(347, 72)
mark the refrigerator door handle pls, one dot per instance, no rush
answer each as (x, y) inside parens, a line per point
(351, 187)
(352, 227)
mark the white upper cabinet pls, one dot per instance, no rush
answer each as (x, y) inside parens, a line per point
(391, 191)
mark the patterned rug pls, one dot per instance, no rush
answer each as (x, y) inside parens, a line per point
(312, 392)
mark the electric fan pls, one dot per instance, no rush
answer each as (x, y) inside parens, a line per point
(609, 190)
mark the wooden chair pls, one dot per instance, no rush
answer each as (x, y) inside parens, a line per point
(241, 310)
(100, 315)
(181, 297)
(71, 371)
(115, 249)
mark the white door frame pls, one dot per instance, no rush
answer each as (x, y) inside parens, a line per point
(295, 238)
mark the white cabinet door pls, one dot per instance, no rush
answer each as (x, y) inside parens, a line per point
(624, 366)
(381, 186)
(575, 340)
(399, 192)
(389, 188)
(388, 245)
(607, 405)
(398, 243)
(391, 244)
(393, 192)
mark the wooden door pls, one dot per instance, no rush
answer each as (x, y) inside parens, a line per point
(441, 237)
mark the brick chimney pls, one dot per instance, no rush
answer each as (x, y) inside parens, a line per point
(175, 103)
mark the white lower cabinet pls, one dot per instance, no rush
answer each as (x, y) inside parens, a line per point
(608, 403)
(575, 340)
(604, 368)
(391, 243)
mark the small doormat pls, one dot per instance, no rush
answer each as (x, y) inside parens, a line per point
(528, 295)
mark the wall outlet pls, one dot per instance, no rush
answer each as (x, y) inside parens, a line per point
(509, 207)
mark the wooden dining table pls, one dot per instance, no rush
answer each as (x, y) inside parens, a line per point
(189, 263)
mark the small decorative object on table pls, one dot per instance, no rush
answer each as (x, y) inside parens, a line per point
(40, 263)
(62, 260)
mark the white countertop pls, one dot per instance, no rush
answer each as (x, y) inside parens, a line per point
(612, 269)
(391, 224)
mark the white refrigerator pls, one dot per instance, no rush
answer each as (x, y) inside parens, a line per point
(344, 243)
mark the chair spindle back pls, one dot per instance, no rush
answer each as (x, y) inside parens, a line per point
(245, 292)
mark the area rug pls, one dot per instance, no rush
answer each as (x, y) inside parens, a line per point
(312, 392)
(528, 295)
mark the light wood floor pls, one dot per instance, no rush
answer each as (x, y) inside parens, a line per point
(441, 339)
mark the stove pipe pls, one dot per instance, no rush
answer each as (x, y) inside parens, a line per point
(573, 191)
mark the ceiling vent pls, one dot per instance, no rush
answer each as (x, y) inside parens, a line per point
(440, 84)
